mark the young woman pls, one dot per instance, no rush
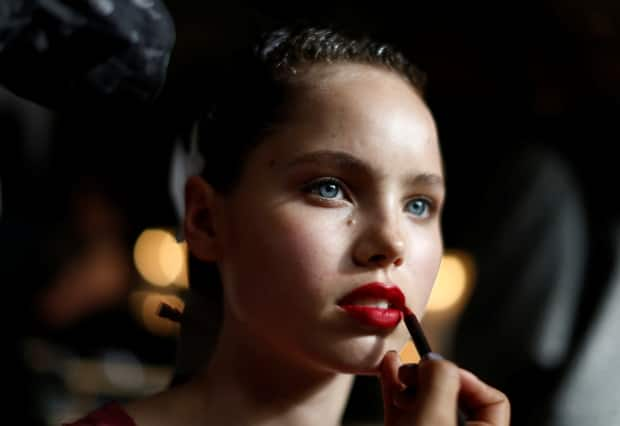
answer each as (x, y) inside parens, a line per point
(315, 222)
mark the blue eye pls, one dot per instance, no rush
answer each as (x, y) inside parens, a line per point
(419, 207)
(326, 188)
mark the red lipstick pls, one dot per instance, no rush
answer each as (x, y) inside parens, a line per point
(367, 304)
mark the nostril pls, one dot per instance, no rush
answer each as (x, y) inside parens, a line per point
(377, 258)
(383, 259)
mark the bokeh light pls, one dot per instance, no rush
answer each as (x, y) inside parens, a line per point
(145, 306)
(453, 282)
(123, 369)
(159, 258)
(409, 353)
(182, 278)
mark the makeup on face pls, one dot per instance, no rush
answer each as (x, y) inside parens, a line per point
(382, 306)
(375, 304)
(345, 164)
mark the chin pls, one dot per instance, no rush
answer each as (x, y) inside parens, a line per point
(363, 355)
(366, 367)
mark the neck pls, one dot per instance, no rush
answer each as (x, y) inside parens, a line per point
(246, 384)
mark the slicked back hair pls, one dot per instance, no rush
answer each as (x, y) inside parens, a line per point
(254, 91)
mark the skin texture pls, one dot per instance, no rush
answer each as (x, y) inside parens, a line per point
(287, 256)
(290, 245)
(427, 395)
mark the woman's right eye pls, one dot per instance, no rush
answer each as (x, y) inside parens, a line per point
(327, 188)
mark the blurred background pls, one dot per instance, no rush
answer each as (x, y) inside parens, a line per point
(526, 97)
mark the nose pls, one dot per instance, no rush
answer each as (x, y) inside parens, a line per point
(380, 245)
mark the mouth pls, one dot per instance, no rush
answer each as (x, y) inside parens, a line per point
(377, 305)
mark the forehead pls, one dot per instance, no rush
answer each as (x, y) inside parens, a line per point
(351, 81)
(369, 112)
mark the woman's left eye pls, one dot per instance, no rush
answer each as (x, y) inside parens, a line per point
(330, 189)
(419, 207)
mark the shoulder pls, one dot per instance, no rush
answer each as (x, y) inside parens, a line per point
(111, 414)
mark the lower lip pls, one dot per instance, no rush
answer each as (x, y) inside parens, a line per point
(374, 317)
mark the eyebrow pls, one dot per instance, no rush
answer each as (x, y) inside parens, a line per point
(429, 179)
(346, 160)
(333, 158)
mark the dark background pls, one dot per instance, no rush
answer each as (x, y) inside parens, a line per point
(504, 79)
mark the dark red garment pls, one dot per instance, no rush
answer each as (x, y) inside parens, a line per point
(111, 414)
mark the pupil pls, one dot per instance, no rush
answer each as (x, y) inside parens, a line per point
(329, 190)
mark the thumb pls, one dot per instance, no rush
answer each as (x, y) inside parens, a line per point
(441, 382)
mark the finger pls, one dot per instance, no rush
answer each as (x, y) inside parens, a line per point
(438, 387)
(485, 404)
(390, 385)
(406, 400)
(408, 374)
(388, 373)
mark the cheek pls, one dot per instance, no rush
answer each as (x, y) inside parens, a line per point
(278, 257)
(425, 258)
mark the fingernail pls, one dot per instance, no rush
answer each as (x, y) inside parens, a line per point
(433, 356)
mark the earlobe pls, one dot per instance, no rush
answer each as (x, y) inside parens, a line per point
(199, 223)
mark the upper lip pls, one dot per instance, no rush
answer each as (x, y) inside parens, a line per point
(389, 292)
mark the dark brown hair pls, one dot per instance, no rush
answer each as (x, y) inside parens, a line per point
(255, 88)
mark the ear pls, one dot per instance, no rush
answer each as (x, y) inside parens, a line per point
(199, 226)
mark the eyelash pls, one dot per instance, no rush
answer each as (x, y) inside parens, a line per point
(314, 188)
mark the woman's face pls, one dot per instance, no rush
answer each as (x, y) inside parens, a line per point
(348, 191)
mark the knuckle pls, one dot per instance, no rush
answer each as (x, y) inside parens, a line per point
(499, 396)
(503, 399)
